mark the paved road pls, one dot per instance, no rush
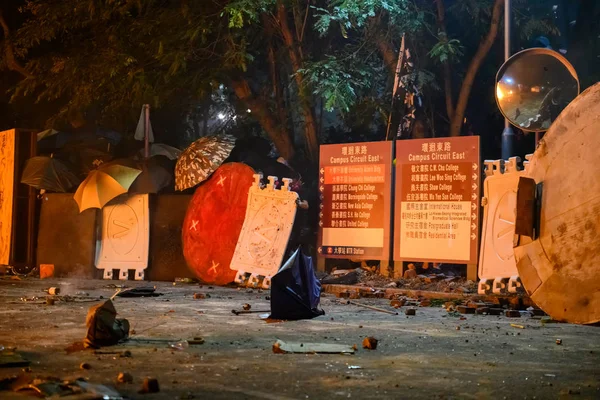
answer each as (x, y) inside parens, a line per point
(431, 355)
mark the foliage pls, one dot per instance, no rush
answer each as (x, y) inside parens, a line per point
(110, 57)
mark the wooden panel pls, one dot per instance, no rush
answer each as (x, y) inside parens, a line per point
(561, 268)
(7, 169)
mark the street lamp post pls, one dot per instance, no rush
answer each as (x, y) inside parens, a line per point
(507, 134)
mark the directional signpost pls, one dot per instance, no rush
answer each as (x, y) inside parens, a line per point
(355, 192)
(437, 200)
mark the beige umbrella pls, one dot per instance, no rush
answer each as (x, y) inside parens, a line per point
(201, 159)
(105, 183)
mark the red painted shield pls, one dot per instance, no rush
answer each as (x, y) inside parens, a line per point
(213, 223)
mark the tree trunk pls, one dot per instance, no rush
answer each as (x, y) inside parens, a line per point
(9, 53)
(263, 115)
(476, 61)
(441, 19)
(310, 124)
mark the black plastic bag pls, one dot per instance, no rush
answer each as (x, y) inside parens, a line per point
(295, 290)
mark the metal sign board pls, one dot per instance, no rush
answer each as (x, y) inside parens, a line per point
(355, 192)
(437, 200)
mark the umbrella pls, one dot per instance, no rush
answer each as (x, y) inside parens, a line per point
(48, 173)
(295, 289)
(161, 149)
(105, 183)
(157, 174)
(201, 159)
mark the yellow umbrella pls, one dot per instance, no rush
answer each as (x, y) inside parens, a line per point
(104, 184)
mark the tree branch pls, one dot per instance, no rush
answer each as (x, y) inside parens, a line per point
(9, 53)
(441, 20)
(476, 61)
(263, 115)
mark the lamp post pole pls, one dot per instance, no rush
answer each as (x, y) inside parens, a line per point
(508, 134)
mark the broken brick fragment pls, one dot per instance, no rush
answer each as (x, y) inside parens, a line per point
(370, 343)
(465, 310)
(150, 385)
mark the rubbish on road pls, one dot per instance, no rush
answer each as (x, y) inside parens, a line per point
(465, 310)
(354, 367)
(246, 306)
(124, 377)
(517, 326)
(103, 327)
(238, 312)
(281, 347)
(53, 291)
(199, 296)
(370, 343)
(371, 308)
(181, 345)
(559, 341)
(144, 291)
(295, 289)
(77, 389)
(410, 311)
(185, 280)
(150, 385)
(342, 277)
(397, 303)
(196, 341)
(9, 358)
(512, 313)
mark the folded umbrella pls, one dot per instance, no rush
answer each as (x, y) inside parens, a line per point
(201, 159)
(105, 183)
(48, 173)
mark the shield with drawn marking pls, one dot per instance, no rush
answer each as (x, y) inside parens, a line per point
(201, 159)
(213, 223)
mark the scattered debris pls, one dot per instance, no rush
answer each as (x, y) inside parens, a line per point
(9, 358)
(465, 310)
(517, 326)
(196, 341)
(410, 311)
(482, 310)
(238, 312)
(370, 343)
(85, 365)
(199, 296)
(354, 367)
(372, 308)
(181, 345)
(53, 291)
(281, 347)
(342, 277)
(124, 377)
(559, 341)
(103, 327)
(397, 303)
(246, 306)
(185, 280)
(150, 385)
(144, 291)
